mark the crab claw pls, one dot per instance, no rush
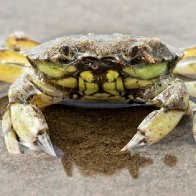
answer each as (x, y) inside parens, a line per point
(191, 87)
(136, 141)
(45, 143)
(186, 68)
(174, 103)
(20, 41)
(29, 125)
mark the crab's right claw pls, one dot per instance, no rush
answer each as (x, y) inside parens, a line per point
(137, 140)
(187, 66)
(174, 101)
(155, 127)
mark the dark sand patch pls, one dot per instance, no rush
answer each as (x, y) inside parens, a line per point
(170, 160)
(92, 138)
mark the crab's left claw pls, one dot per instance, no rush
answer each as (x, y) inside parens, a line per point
(23, 122)
(26, 123)
(174, 101)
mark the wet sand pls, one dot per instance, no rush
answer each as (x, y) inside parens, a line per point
(94, 137)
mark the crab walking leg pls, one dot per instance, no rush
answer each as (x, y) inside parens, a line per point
(192, 112)
(25, 119)
(187, 66)
(174, 101)
(194, 120)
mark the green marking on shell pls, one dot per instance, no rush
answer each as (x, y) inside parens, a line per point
(51, 69)
(146, 71)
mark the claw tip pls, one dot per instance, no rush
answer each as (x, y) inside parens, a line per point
(137, 140)
(46, 144)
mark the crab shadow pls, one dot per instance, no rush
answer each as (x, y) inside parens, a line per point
(91, 139)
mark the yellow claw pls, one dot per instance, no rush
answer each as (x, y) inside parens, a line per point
(191, 87)
(8, 56)
(20, 41)
(190, 52)
(9, 72)
(11, 60)
(154, 128)
(11, 65)
(174, 102)
(187, 66)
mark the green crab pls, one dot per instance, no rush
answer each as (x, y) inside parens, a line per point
(96, 69)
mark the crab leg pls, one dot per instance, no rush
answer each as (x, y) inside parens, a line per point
(11, 65)
(12, 60)
(24, 119)
(174, 101)
(187, 66)
(19, 41)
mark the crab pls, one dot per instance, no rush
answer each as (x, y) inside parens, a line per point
(103, 70)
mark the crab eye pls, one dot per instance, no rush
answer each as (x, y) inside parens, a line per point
(132, 55)
(132, 51)
(139, 53)
(67, 52)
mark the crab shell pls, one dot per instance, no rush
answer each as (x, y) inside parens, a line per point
(103, 67)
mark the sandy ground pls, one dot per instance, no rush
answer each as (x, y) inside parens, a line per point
(91, 138)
